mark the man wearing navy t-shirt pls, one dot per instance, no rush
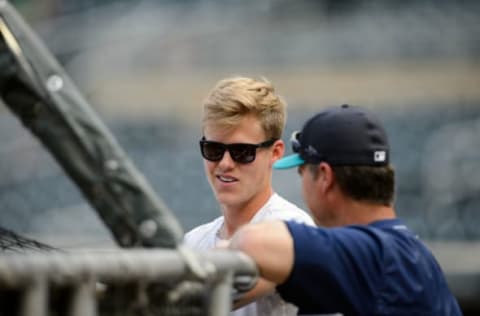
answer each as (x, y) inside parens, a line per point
(362, 260)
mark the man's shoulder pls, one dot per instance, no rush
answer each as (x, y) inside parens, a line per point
(282, 209)
(202, 233)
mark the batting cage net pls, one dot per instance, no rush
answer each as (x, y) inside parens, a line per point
(12, 242)
(36, 278)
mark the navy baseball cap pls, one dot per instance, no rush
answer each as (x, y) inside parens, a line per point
(344, 135)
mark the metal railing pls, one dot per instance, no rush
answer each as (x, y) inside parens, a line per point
(29, 281)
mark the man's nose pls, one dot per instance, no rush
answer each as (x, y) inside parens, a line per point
(226, 161)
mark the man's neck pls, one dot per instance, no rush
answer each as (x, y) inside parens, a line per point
(362, 213)
(237, 216)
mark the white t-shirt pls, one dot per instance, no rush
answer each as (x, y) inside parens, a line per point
(205, 237)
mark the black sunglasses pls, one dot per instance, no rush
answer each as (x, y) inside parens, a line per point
(240, 152)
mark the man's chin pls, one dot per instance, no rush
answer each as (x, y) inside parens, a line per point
(228, 199)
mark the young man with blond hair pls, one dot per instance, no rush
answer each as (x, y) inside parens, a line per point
(243, 122)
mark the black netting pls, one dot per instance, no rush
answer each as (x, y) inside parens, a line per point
(37, 199)
(12, 242)
(184, 299)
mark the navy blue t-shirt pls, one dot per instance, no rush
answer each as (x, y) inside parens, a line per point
(378, 269)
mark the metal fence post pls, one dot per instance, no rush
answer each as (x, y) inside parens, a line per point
(83, 299)
(220, 300)
(34, 299)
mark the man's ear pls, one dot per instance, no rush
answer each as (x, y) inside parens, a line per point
(278, 150)
(326, 177)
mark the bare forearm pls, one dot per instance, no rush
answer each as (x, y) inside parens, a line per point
(263, 287)
(270, 245)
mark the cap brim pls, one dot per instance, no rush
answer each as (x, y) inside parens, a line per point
(289, 162)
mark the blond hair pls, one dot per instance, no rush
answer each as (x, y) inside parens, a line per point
(234, 98)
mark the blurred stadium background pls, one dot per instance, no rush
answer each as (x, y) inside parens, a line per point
(146, 65)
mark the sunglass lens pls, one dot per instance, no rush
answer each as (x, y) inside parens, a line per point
(212, 151)
(243, 153)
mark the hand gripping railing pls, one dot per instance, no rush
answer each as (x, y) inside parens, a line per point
(83, 278)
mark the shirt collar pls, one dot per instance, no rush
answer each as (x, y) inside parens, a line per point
(394, 223)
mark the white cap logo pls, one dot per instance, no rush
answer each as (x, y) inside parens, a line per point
(379, 156)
